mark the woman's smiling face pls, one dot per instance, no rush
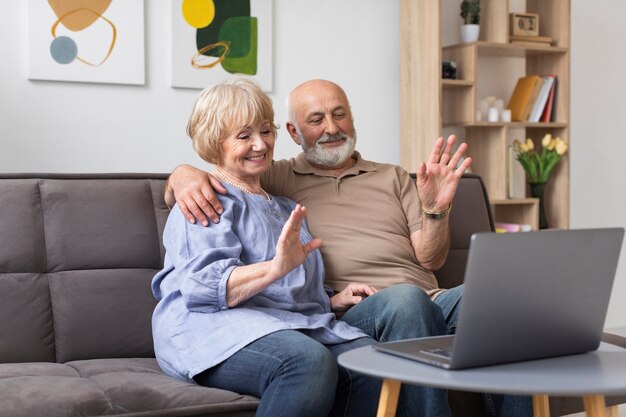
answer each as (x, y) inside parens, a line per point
(247, 152)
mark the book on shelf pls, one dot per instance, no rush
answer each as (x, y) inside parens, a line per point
(549, 112)
(523, 97)
(502, 227)
(542, 98)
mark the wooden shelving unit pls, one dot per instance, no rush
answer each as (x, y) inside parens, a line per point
(429, 104)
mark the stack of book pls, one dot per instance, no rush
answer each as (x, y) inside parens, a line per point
(533, 99)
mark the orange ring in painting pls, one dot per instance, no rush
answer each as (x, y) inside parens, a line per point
(60, 19)
(194, 60)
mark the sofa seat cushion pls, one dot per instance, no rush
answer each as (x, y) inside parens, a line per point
(128, 387)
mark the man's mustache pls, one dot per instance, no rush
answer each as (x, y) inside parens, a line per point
(331, 138)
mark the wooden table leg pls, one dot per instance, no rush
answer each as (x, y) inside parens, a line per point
(595, 405)
(388, 402)
(541, 405)
(612, 411)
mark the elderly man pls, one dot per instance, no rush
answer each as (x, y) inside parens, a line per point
(383, 233)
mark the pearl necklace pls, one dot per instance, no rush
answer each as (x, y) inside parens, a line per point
(244, 189)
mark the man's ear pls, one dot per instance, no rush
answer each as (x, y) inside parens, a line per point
(293, 132)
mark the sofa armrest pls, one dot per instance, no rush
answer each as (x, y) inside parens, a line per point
(470, 213)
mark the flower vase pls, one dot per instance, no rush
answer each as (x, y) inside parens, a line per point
(469, 33)
(536, 191)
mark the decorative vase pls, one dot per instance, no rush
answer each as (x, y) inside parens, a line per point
(469, 33)
(536, 191)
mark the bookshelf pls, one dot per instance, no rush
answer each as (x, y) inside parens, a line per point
(432, 107)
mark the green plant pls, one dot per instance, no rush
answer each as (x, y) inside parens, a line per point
(470, 12)
(538, 167)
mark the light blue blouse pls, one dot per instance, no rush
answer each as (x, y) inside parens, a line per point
(193, 328)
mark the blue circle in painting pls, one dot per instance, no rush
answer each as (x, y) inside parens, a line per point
(63, 50)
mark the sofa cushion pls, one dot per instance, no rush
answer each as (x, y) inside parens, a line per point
(77, 255)
(26, 333)
(92, 224)
(126, 387)
(102, 313)
(22, 244)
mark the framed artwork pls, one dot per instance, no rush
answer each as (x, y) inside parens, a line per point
(99, 41)
(214, 39)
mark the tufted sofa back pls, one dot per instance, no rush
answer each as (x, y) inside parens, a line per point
(77, 255)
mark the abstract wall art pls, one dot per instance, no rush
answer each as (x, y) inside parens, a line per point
(100, 41)
(214, 39)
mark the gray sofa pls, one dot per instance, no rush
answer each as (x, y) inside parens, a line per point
(77, 255)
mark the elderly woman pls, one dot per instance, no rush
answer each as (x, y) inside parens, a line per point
(241, 304)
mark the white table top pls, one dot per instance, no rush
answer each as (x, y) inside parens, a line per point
(599, 372)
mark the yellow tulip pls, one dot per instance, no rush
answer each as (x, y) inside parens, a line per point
(561, 148)
(546, 140)
(530, 144)
(524, 147)
(517, 145)
(551, 145)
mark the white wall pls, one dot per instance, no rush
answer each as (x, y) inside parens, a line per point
(598, 123)
(75, 127)
(71, 127)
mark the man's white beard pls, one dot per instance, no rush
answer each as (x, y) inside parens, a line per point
(329, 157)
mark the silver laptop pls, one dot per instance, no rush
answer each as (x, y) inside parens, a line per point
(527, 296)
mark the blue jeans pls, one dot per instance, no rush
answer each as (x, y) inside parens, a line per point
(405, 312)
(296, 376)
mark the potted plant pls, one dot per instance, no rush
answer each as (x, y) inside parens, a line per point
(470, 12)
(538, 166)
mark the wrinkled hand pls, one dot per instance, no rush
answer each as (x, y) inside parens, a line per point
(351, 295)
(290, 252)
(437, 180)
(194, 191)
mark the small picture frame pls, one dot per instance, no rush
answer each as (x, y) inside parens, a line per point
(524, 24)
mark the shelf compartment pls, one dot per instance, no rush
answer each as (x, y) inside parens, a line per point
(522, 210)
(505, 49)
(447, 83)
(527, 125)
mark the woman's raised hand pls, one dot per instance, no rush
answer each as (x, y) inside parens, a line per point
(290, 252)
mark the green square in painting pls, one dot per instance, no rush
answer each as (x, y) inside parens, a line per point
(236, 30)
(224, 10)
(246, 64)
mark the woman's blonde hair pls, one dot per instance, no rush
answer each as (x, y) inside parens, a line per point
(223, 108)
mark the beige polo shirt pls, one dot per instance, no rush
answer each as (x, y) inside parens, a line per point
(365, 218)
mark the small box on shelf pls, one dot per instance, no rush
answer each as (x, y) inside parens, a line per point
(524, 24)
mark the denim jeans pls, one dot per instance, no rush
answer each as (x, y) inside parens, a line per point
(296, 376)
(404, 312)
